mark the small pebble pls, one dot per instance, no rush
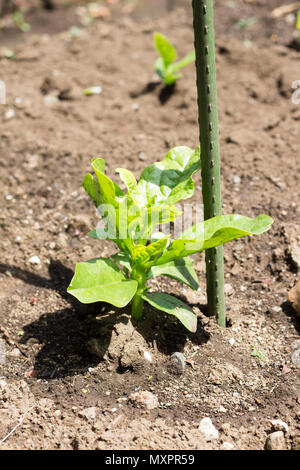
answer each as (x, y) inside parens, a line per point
(296, 357)
(9, 114)
(279, 425)
(208, 430)
(147, 356)
(34, 260)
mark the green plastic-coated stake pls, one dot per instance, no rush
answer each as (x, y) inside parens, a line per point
(210, 149)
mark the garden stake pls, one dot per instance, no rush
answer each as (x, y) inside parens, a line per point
(210, 151)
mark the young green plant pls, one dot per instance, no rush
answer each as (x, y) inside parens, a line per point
(165, 66)
(131, 219)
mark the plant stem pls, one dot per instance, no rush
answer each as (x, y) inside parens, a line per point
(139, 274)
(210, 151)
(137, 307)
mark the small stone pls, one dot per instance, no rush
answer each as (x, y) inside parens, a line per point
(142, 157)
(147, 356)
(279, 425)
(15, 353)
(294, 297)
(96, 347)
(232, 341)
(2, 384)
(236, 179)
(275, 441)
(9, 114)
(228, 289)
(50, 101)
(135, 106)
(34, 260)
(227, 446)
(80, 222)
(276, 309)
(296, 357)
(208, 430)
(88, 413)
(179, 360)
(296, 344)
(145, 399)
(222, 409)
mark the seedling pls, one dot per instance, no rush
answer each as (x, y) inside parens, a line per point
(165, 66)
(130, 220)
(20, 22)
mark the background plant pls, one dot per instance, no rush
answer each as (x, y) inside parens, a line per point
(145, 253)
(165, 66)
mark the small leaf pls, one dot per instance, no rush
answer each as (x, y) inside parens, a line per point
(182, 270)
(165, 49)
(101, 280)
(169, 304)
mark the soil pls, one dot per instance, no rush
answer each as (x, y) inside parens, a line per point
(71, 386)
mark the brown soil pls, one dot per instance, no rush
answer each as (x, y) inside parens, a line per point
(45, 150)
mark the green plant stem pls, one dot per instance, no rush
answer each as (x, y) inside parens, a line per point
(139, 274)
(210, 152)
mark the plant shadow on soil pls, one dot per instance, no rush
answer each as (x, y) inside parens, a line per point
(66, 333)
(164, 95)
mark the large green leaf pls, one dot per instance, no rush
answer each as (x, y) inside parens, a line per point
(182, 270)
(165, 49)
(214, 232)
(101, 280)
(169, 304)
(170, 180)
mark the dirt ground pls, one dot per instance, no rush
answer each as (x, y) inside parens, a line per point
(72, 386)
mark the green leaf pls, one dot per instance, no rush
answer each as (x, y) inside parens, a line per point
(169, 304)
(188, 59)
(165, 49)
(108, 189)
(160, 68)
(182, 270)
(128, 178)
(92, 188)
(214, 232)
(170, 180)
(101, 280)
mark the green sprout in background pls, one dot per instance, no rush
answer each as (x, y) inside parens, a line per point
(19, 21)
(165, 66)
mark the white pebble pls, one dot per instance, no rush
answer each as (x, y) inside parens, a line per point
(2, 384)
(227, 446)
(232, 341)
(279, 425)
(147, 356)
(34, 260)
(209, 431)
(9, 114)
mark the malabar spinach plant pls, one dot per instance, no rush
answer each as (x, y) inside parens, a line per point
(165, 66)
(130, 220)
